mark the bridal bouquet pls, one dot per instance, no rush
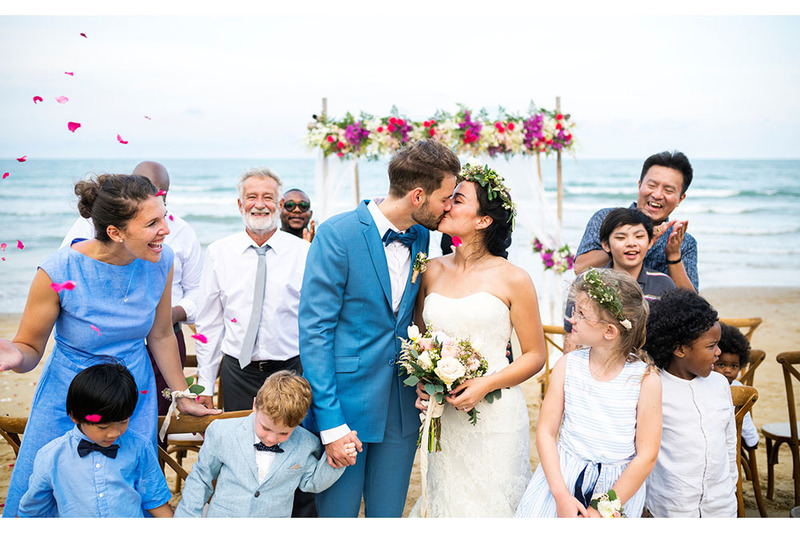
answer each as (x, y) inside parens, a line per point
(441, 363)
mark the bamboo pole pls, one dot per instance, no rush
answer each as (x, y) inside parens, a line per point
(355, 179)
(324, 192)
(558, 174)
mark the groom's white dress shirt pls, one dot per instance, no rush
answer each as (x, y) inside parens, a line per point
(398, 259)
(186, 267)
(226, 301)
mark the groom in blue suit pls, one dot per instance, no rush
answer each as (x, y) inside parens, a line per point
(357, 300)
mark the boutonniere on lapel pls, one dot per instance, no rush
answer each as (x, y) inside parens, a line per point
(420, 265)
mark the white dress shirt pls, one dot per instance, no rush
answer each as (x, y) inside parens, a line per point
(398, 259)
(187, 266)
(264, 460)
(695, 474)
(226, 301)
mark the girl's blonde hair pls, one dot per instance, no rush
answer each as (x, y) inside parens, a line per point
(631, 307)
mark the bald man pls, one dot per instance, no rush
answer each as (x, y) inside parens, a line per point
(187, 265)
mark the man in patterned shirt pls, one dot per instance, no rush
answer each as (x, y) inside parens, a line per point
(662, 187)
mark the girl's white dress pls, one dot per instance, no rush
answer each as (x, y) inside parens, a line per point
(597, 439)
(482, 470)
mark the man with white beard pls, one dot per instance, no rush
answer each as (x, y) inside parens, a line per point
(249, 297)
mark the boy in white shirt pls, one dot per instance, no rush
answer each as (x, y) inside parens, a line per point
(695, 474)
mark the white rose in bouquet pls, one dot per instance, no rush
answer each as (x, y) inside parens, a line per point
(424, 360)
(449, 370)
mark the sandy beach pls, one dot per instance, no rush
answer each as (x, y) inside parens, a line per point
(779, 332)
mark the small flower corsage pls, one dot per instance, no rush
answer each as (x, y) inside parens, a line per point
(420, 265)
(608, 505)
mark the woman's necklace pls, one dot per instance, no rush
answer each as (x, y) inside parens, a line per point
(125, 294)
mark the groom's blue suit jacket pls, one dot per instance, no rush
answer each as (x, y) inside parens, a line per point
(349, 334)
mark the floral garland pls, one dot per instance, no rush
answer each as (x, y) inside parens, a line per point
(606, 295)
(494, 184)
(559, 260)
(541, 131)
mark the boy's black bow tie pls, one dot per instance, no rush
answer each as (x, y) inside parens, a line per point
(260, 446)
(85, 447)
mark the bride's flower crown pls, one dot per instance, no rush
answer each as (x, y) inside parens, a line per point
(605, 295)
(490, 180)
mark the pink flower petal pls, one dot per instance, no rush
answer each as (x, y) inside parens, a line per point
(148, 118)
(62, 99)
(72, 126)
(161, 193)
(233, 320)
(119, 138)
(3, 247)
(69, 73)
(200, 338)
(37, 99)
(93, 418)
(67, 285)
(20, 245)
(457, 241)
(5, 175)
(3, 258)
(144, 392)
(171, 217)
(22, 159)
(84, 35)
(95, 328)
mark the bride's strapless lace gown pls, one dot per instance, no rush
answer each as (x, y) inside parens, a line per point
(482, 470)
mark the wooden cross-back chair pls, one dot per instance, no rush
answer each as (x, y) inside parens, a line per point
(193, 425)
(551, 342)
(743, 399)
(779, 433)
(11, 427)
(750, 323)
(748, 373)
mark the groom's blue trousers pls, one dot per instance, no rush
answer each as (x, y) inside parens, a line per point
(381, 473)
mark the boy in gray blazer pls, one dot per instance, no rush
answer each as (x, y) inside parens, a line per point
(260, 460)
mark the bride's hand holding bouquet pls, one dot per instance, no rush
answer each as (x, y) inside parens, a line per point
(441, 366)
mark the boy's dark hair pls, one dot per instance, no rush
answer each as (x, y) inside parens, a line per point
(624, 216)
(674, 160)
(733, 341)
(106, 389)
(678, 319)
(423, 164)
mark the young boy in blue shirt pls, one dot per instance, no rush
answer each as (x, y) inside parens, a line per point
(97, 470)
(258, 461)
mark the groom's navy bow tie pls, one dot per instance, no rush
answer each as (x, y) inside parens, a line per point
(406, 239)
(260, 446)
(85, 447)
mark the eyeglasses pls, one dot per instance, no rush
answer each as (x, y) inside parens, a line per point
(291, 204)
(578, 316)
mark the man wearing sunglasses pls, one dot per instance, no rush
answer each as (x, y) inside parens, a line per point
(296, 215)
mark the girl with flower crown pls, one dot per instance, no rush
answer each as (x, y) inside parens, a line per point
(476, 294)
(600, 423)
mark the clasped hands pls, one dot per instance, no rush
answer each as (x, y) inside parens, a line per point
(674, 241)
(343, 452)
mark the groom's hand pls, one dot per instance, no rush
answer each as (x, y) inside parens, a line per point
(340, 452)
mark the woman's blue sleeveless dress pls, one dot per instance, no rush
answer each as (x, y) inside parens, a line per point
(98, 300)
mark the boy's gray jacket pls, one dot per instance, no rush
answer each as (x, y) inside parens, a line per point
(228, 455)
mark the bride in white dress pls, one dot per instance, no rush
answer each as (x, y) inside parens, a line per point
(475, 293)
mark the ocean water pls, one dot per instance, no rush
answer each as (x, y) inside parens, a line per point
(743, 213)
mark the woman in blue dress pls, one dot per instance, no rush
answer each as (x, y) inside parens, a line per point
(121, 296)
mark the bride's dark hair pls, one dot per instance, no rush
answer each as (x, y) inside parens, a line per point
(497, 237)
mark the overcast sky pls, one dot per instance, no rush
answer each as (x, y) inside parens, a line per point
(246, 86)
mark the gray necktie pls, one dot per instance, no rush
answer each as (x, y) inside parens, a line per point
(258, 303)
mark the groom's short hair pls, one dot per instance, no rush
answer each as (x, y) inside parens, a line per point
(423, 164)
